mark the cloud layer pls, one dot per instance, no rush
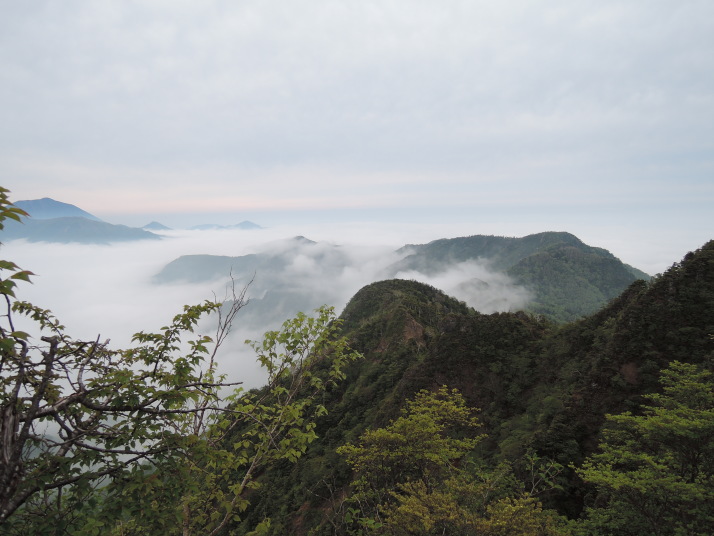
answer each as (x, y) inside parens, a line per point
(245, 105)
(110, 291)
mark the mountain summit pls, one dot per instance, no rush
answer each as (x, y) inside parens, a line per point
(47, 208)
(568, 278)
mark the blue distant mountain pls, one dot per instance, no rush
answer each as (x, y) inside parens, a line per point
(68, 230)
(46, 208)
(54, 221)
(155, 226)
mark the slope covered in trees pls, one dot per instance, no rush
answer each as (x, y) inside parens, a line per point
(553, 274)
(451, 422)
(543, 390)
(568, 278)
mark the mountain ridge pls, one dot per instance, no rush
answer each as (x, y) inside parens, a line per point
(68, 230)
(540, 387)
(564, 277)
(567, 277)
(54, 221)
(48, 208)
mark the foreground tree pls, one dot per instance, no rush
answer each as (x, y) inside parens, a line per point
(84, 427)
(207, 488)
(414, 477)
(655, 471)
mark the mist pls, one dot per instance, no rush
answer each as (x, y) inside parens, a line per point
(110, 291)
(476, 284)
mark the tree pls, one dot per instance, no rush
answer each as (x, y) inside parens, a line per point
(82, 423)
(655, 471)
(422, 447)
(415, 477)
(207, 490)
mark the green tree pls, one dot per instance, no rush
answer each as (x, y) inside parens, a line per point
(207, 490)
(424, 445)
(84, 428)
(655, 471)
(414, 477)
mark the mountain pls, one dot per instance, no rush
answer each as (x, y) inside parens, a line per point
(278, 257)
(46, 208)
(289, 276)
(567, 277)
(155, 226)
(245, 225)
(68, 230)
(53, 221)
(554, 274)
(541, 387)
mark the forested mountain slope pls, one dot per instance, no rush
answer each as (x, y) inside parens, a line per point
(540, 387)
(552, 273)
(568, 278)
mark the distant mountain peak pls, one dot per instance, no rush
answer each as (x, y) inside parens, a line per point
(155, 226)
(303, 240)
(48, 208)
(246, 225)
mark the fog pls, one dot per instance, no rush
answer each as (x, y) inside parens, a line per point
(473, 282)
(110, 290)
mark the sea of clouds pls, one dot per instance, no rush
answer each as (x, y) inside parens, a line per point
(110, 291)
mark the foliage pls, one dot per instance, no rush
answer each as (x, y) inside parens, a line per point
(75, 412)
(435, 431)
(259, 428)
(399, 468)
(570, 282)
(655, 471)
(144, 439)
(413, 477)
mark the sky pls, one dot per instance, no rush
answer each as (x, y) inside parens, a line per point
(435, 119)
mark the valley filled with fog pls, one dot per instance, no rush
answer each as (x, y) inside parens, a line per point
(112, 291)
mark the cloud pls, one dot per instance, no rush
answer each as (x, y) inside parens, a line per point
(477, 285)
(110, 291)
(389, 86)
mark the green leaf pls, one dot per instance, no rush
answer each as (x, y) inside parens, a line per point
(24, 275)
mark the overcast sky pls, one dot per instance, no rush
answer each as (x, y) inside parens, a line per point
(594, 117)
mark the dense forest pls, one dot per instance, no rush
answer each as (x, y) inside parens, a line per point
(410, 414)
(581, 420)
